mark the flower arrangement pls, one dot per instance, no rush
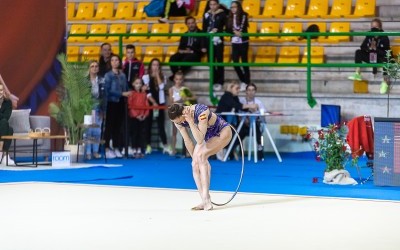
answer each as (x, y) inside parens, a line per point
(331, 147)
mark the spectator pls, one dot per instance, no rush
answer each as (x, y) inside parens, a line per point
(176, 8)
(5, 114)
(238, 22)
(132, 67)
(13, 98)
(373, 50)
(214, 22)
(97, 87)
(115, 89)
(190, 49)
(139, 127)
(156, 82)
(104, 61)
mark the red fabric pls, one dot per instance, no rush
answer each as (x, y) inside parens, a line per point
(361, 136)
(135, 100)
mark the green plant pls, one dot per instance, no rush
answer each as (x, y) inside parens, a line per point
(74, 98)
(331, 147)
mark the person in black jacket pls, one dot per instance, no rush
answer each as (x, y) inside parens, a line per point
(190, 49)
(5, 114)
(373, 50)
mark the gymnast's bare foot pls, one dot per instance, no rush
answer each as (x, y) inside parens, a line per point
(198, 207)
(208, 206)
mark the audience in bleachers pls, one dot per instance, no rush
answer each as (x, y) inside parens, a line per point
(175, 8)
(105, 59)
(191, 48)
(132, 66)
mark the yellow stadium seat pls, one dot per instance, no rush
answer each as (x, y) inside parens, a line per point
(322, 28)
(295, 8)
(97, 29)
(272, 8)
(104, 11)
(115, 29)
(177, 28)
(395, 51)
(365, 8)
(265, 54)
(291, 28)
(266, 28)
(338, 27)
(317, 8)
(140, 14)
(77, 29)
(115, 50)
(159, 28)
(170, 51)
(137, 28)
(124, 11)
(340, 8)
(252, 29)
(72, 53)
(153, 52)
(71, 11)
(138, 52)
(252, 7)
(227, 54)
(289, 54)
(317, 55)
(90, 53)
(85, 11)
(200, 10)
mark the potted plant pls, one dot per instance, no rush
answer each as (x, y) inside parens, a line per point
(74, 98)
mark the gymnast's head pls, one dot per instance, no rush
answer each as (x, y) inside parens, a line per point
(175, 112)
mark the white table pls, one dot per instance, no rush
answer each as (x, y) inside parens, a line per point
(252, 133)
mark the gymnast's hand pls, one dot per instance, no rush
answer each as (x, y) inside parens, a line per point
(188, 115)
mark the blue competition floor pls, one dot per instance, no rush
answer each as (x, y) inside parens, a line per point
(292, 177)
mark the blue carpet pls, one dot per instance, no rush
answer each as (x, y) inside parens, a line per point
(292, 177)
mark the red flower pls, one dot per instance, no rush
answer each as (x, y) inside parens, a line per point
(318, 158)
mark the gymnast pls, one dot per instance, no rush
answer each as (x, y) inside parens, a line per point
(211, 133)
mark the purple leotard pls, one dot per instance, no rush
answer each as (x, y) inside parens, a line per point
(213, 130)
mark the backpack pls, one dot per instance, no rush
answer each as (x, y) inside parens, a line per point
(138, 99)
(155, 8)
(313, 28)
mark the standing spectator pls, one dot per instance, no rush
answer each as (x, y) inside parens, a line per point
(190, 49)
(238, 22)
(5, 114)
(132, 67)
(115, 88)
(97, 87)
(104, 61)
(214, 22)
(138, 117)
(373, 50)
(156, 82)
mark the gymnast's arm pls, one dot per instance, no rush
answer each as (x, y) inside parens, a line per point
(186, 138)
(199, 131)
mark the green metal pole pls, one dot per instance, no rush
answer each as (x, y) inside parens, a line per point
(310, 99)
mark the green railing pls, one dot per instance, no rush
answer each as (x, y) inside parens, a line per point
(310, 99)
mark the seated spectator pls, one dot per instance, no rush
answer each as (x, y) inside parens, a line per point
(13, 98)
(373, 50)
(190, 49)
(176, 8)
(132, 67)
(5, 114)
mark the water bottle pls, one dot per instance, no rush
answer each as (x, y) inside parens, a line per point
(155, 113)
(373, 57)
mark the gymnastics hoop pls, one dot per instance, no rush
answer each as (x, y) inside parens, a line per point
(241, 174)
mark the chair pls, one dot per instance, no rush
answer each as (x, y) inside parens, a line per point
(104, 11)
(317, 9)
(138, 52)
(252, 7)
(97, 29)
(317, 55)
(200, 9)
(289, 54)
(272, 8)
(140, 14)
(90, 53)
(291, 28)
(73, 53)
(115, 29)
(158, 28)
(322, 29)
(137, 28)
(365, 8)
(252, 29)
(85, 11)
(227, 54)
(268, 28)
(295, 8)
(340, 8)
(170, 51)
(339, 27)
(124, 11)
(177, 28)
(153, 52)
(395, 51)
(77, 29)
(265, 54)
(71, 10)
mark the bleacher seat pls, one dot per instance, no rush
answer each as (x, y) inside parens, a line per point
(339, 27)
(340, 8)
(227, 54)
(265, 54)
(170, 51)
(137, 28)
(115, 29)
(138, 52)
(90, 53)
(252, 29)
(272, 8)
(153, 52)
(364, 8)
(267, 27)
(71, 10)
(85, 11)
(77, 29)
(97, 29)
(317, 55)
(395, 51)
(295, 8)
(252, 7)
(317, 9)
(200, 9)
(322, 29)
(177, 28)
(104, 11)
(140, 14)
(289, 54)
(72, 53)
(291, 28)
(159, 28)
(124, 11)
